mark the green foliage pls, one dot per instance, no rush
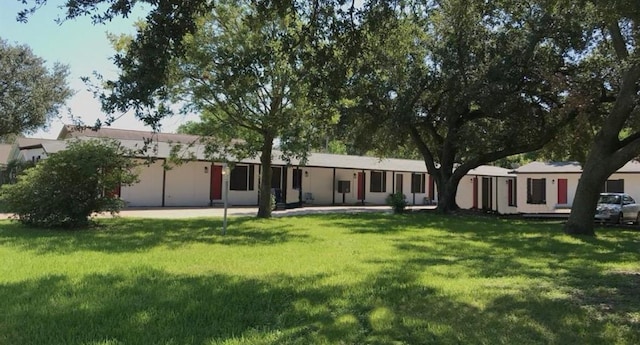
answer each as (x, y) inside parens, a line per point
(248, 70)
(319, 279)
(30, 94)
(14, 168)
(462, 82)
(65, 189)
(605, 94)
(397, 201)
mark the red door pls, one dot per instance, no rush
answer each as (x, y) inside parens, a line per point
(216, 182)
(360, 186)
(562, 191)
(475, 192)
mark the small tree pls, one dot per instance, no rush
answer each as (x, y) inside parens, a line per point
(68, 187)
(30, 94)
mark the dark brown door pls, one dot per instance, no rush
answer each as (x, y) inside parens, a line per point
(360, 186)
(216, 182)
(487, 195)
(399, 184)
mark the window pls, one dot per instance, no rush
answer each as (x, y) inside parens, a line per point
(536, 191)
(613, 186)
(511, 192)
(242, 178)
(297, 179)
(417, 183)
(627, 200)
(378, 182)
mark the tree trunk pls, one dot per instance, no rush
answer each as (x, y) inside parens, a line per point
(583, 210)
(264, 203)
(447, 190)
(607, 154)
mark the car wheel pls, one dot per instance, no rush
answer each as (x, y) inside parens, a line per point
(637, 222)
(618, 220)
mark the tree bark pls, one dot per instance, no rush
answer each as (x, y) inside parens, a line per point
(447, 191)
(264, 201)
(447, 184)
(583, 211)
(606, 155)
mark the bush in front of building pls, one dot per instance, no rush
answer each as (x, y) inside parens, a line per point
(66, 189)
(398, 202)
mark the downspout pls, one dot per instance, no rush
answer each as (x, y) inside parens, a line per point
(164, 180)
(333, 189)
(497, 211)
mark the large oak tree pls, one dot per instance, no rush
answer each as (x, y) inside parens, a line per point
(465, 82)
(609, 97)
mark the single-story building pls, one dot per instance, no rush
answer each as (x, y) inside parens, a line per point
(325, 179)
(546, 187)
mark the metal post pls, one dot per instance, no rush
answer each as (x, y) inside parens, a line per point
(225, 177)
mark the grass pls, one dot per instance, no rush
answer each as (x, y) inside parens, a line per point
(319, 279)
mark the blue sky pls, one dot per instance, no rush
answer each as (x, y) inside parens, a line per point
(80, 45)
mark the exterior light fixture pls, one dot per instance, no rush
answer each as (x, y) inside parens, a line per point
(306, 174)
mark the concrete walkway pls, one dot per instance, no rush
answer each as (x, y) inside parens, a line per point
(196, 212)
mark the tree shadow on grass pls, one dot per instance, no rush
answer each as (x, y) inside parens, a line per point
(131, 235)
(149, 306)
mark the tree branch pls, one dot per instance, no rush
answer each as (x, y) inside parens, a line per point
(619, 44)
(424, 150)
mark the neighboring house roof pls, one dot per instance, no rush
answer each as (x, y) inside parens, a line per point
(33, 142)
(48, 145)
(69, 131)
(5, 152)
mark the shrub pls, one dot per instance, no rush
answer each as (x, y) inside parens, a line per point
(65, 189)
(397, 202)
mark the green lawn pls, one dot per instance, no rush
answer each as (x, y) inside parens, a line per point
(320, 279)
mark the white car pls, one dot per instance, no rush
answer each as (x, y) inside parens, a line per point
(617, 208)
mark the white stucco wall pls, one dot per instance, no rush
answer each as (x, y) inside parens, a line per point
(499, 194)
(33, 155)
(551, 204)
(502, 197)
(378, 198)
(350, 198)
(631, 183)
(188, 184)
(319, 182)
(248, 197)
(147, 192)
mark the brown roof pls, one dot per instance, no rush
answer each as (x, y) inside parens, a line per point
(568, 167)
(69, 131)
(161, 148)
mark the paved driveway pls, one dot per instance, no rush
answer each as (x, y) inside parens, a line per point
(195, 212)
